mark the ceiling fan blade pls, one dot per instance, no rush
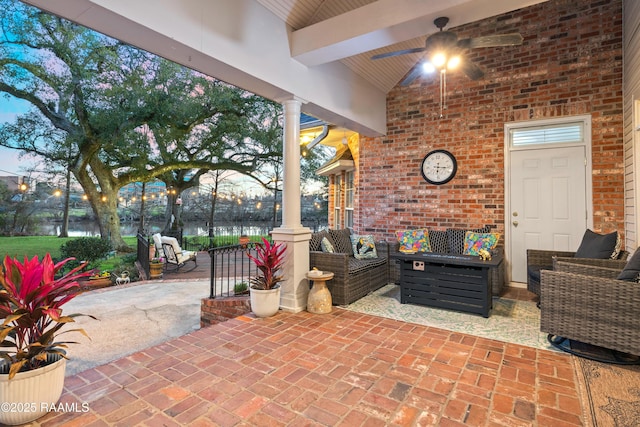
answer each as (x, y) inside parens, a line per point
(471, 70)
(513, 39)
(398, 52)
(414, 74)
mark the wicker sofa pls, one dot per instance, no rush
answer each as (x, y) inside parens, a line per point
(353, 278)
(451, 241)
(588, 304)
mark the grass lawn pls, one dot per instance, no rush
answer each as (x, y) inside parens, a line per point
(19, 246)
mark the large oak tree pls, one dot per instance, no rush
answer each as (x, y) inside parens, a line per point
(114, 115)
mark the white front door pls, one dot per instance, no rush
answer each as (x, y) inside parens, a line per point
(548, 202)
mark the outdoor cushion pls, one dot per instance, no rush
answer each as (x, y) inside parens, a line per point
(157, 241)
(474, 242)
(534, 271)
(326, 245)
(414, 240)
(601, 246)
(456, 238)
(363, 246)
(182, 255)
(631, 271)
(173, 242)
(360, 265)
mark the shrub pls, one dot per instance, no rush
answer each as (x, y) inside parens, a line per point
(240, 288)
(86, 248)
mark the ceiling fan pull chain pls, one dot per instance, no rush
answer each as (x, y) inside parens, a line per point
(443, 91)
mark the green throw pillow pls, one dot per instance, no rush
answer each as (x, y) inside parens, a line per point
(326, 246)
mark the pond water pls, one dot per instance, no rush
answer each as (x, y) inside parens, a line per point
(91, 229)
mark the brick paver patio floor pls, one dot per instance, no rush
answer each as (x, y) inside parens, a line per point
(338, 369)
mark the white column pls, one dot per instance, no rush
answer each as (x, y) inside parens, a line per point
(295, 287)
(291, 173)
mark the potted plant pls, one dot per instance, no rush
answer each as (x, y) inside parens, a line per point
(264, 292)
(155, 268)
(99, 280)
(243, 240)
(32, 362)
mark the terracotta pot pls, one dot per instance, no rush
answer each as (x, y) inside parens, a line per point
(100, 282)
(30, 394)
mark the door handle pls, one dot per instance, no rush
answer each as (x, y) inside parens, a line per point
(515, 223)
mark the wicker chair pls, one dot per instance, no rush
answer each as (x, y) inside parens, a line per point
(538, 260)
(587, 304)
(352, 278)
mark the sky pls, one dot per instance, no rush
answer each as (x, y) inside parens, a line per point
(9, 162)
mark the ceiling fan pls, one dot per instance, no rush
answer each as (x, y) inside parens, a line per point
(446, 51)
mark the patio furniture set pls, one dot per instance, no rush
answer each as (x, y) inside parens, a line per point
(591, 295)
(169, 248)
(439, 273)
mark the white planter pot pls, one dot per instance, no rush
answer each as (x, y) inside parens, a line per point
(265, 303)
(28, 395)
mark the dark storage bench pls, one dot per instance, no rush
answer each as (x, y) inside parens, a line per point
(457, 282)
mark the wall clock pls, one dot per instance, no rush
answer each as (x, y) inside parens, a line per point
(439, 167)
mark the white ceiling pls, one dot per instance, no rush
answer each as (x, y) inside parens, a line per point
(351, 31)
(316, 51)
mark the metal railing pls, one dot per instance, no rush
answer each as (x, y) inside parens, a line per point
(230, 266)
(143, 253)
(219, 237)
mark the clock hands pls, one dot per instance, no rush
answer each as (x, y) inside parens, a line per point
(437, 168)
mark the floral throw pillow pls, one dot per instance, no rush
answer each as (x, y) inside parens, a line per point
(364, 247)
(326, 246)
(474, 242)
(414, 240)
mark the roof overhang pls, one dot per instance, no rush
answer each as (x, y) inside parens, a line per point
(336, 167)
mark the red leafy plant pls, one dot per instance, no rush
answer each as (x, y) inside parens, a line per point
(269, 260)
(31, 300)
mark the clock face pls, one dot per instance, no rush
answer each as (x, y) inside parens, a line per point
(439, 167)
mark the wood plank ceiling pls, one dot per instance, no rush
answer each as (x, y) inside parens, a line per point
(382, 74)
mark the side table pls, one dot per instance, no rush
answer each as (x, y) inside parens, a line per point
(319, 300)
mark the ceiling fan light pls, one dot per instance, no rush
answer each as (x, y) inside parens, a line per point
(428, 67)
(453, 62)
(439, 59)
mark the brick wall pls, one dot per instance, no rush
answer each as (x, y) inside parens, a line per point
(218, 310)
(570, 64)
